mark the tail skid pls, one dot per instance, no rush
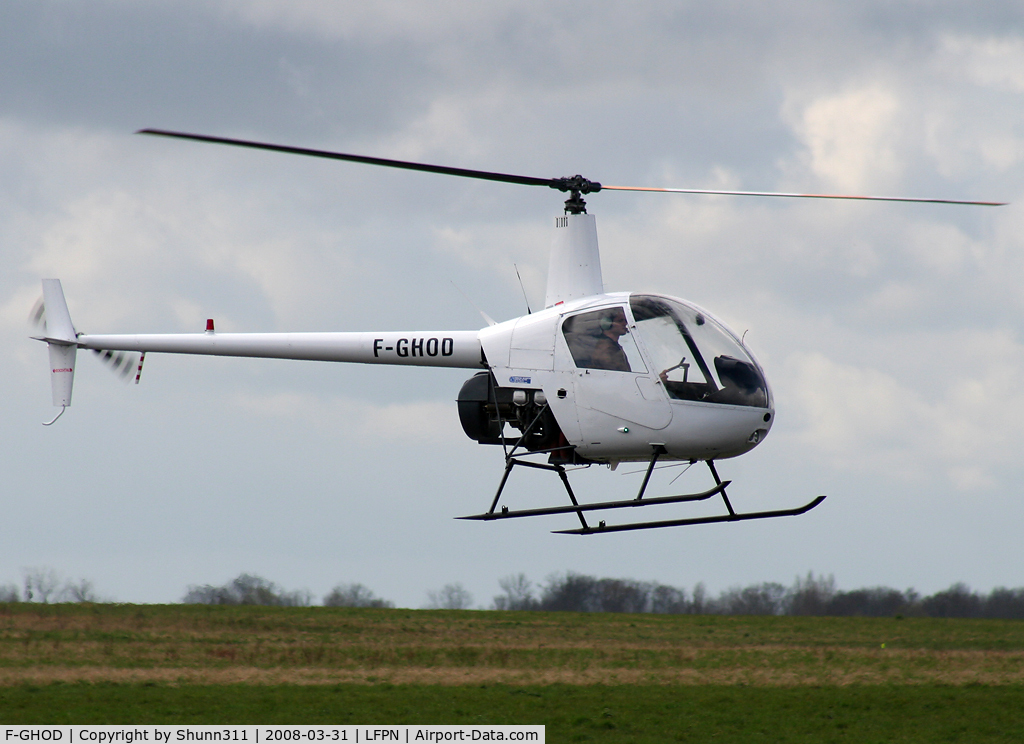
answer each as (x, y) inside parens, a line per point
(53, 421)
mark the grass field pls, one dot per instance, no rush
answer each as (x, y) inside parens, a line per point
(588, 677)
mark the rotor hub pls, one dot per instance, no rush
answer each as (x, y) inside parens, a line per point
(577, 186)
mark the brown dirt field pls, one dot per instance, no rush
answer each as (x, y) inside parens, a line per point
(315, 646)
(972, 670)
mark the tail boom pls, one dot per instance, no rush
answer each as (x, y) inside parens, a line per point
(460, 349)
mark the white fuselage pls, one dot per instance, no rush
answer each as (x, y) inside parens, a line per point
(607, 415)
(612, 415)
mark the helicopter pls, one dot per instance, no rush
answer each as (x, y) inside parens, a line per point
(593, 378)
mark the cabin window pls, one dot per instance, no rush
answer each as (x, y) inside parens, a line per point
(601, 339)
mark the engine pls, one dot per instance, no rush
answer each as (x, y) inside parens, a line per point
(484, 409)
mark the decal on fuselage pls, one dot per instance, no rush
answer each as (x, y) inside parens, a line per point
(405, 347)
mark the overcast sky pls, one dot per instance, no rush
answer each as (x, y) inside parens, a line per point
(891, 333)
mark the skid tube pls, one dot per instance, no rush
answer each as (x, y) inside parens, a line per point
(734, 517)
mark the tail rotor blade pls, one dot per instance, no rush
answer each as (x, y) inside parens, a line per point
(37, 318)
(119, 362)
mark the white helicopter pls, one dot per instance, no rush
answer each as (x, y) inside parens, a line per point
(594, 378)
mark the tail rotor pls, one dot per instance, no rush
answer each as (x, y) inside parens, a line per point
(52, 321)
(37, 318)
(122, 363)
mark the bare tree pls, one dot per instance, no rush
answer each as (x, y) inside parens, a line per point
(247, 589)
(699, 605)
(810, 596)
(9, 593)
(667, 600)
(1005, 603)
(518, 594)
(622, 595)
(354, 595)
(879, 601)
(78, 592)
(450, 597)
(208, 595)
(40, 584)
(764, 599)
(957, 601)
(572, 592)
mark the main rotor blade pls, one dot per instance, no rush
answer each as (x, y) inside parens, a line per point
(554, 183)
(807, 196)
(575, 184)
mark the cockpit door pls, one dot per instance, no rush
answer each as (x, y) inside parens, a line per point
(611, 379)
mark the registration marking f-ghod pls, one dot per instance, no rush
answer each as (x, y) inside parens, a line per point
(416, 347)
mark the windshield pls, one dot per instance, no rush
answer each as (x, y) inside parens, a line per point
(695, 357)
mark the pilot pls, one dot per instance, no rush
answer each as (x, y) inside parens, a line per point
(607, 352)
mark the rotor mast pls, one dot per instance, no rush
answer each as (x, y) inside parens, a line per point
(574, 267)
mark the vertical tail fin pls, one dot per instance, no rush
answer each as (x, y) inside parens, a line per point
(61, 340)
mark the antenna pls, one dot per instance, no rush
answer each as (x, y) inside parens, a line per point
(487, 318)
(528, 310)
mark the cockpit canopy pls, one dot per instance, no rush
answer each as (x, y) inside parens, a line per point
(695, 357)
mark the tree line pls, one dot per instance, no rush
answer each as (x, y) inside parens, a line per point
(574, 592)
(248, 589)
(46, 585)
(811, 595)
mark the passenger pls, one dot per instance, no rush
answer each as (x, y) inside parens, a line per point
(607, 352)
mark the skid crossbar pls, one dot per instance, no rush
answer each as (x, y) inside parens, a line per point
(505, 514)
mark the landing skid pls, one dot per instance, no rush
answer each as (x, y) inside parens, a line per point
(511, 461)
(602, 527)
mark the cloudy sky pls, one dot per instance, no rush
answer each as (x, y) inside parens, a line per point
(891, 333)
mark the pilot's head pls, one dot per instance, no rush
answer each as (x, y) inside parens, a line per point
(613, 322)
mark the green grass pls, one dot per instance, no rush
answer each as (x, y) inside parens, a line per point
(587, 677)
(877, 713)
